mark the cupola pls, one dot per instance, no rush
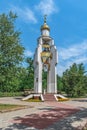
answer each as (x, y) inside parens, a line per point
(45, 29)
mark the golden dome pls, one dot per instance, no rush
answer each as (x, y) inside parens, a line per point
(45, 26)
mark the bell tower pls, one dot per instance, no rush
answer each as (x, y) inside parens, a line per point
(45, 58)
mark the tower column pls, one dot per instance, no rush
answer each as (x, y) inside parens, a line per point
(52, 74)
(38, 69)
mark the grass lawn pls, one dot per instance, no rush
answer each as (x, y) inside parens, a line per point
(10, 107)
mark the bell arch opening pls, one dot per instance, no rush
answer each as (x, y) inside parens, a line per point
(44, 82)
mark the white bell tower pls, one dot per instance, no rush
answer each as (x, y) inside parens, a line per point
(46, 57)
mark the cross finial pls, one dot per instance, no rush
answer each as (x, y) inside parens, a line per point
(45, 18)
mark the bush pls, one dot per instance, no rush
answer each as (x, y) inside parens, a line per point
(10, 94)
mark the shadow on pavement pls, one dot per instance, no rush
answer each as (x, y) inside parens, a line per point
(80, 100)
(66, 123)
(45, 119)
(18, 98)
(17, 127)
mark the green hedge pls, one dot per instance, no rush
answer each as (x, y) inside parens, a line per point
(10, 94)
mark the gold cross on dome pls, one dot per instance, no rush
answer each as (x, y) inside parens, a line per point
(45, 18)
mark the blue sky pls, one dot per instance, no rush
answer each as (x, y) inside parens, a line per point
(68, 23)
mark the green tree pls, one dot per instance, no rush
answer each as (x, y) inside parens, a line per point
(59, 84)
(28, 76)
(74, 80)
(11, 52)
(44, 80)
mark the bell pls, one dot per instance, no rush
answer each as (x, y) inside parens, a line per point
(44, 59)
(45, 56)
(45, 67)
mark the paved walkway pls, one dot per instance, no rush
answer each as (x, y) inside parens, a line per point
(44, 115)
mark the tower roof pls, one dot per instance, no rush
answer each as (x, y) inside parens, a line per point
(45, 26)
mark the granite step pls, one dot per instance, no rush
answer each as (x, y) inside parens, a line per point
(49, 97)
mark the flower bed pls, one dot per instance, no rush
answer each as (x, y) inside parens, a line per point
(34, 99)
(62, 99)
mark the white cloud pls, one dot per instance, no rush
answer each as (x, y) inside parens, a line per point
(73, 51)
(81, 59)
(47, 7)
(73, 54)
(25, 14)
(28, 53)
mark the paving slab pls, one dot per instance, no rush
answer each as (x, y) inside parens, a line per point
(44, 115)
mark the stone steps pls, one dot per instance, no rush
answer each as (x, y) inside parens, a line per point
(49, 97)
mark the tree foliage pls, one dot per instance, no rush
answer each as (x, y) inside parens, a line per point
(44, 80)
(75, 80)
(11, 52)
(27, 76)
